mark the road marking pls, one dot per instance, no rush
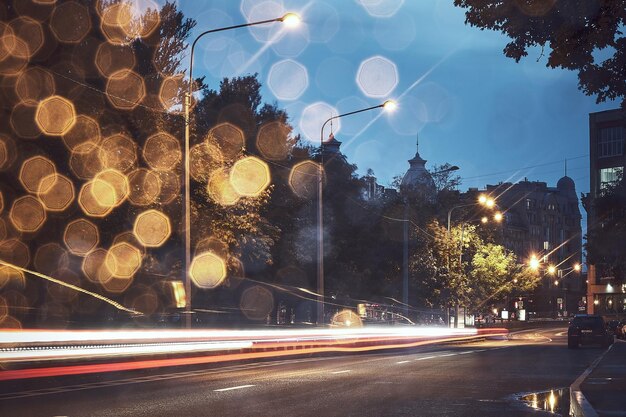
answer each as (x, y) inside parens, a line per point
(447, 354)
(425, 357)
(232, 388)
(341, 372)
(402, 362)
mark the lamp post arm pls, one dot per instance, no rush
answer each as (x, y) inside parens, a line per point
(346, 114)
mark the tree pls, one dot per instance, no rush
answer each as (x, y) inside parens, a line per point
(579, 35)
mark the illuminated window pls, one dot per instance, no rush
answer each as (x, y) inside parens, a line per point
(611, 141)
(609, 176)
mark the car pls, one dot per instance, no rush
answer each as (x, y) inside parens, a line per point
(614, 326)
(588, 329)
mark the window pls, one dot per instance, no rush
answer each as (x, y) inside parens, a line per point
(609, 175)
(611, 141)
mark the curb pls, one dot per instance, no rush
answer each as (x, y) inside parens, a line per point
(579, 406)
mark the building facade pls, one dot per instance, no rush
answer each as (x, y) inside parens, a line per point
(606, 292)
(544, 222)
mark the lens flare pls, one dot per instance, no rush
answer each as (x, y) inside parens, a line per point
(94, 266)
(171, 92)
(22, 117)
(17, 55)
(152, 228)
(70, 22)
(204, 158)
(250, 176)
(81, 237)
(256, 302)
(111, 187)
(207, 270)
(162, 152)
(170, 187)
(377, 77)
(27, 214)
(86, 160)
(113, 58)
(304, 178)
(8, 152)
(288, 79)
(214, 245)
(313, 117)
(14, 252)
(346, 318)
(55, 115)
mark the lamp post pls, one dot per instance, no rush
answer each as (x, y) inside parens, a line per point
(290, 19)
(388, 105)
(483, 200)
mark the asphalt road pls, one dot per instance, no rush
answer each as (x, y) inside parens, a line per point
(473, 379)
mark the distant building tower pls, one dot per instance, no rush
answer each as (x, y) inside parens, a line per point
(330, 149)
(417, 179)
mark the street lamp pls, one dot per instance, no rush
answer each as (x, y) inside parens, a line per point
(290, 20)
(388, 105)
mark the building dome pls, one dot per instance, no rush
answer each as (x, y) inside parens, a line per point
(417, 178)
(566, 184)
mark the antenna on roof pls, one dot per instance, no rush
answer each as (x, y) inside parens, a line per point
(566, 167)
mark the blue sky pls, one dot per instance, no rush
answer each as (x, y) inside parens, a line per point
(496, 119)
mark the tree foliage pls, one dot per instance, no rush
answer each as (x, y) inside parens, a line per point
(578, 35)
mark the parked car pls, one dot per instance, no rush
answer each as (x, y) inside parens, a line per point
(588, 329)
(614, 326)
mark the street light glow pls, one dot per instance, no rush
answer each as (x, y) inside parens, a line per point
(576, 267)
(534, 263)
(390, 105)
(551, 269)
(291, 20)
(497, 217)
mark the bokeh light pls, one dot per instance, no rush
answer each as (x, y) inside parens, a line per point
(125, 89)
(264, 10)
(50, 257)
(377, 77)
(110, 187)
(162, 152)
(94, 266)
(33, 85)
(229, 138)
(30, 32)
(124, 260)
(81, 237)
(250, 176)
(88, 202)
(86, 160)
(152, 228)
(55, 115)
(314, 116)
(62, 293)
(27, 214)
(114, 19)
(207, 270)
(84, 131)
(113, 58)
(273, 141)
(70, 22)
(170, 187)
(9, 274)
(15, 252)
(118, 152)
(256, 302)
(220, 189)
(204, 158)
(16, 55)
(288, 79)
(172, 92)
(145, 187)
(22, 117)
(34, 170)
(56, 192)
(8, 152)
(346, 318)
(130, 238)
(381, 8)
(304, 178)
(214, 245)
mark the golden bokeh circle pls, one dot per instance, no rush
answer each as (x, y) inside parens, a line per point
(272, 141)
(56, 192)
(81, 237)
(123, 260)
(88, 202)
(33, 85)
(304, 178)
(145, 187)
(171, 92)
(207, 270)
(55, 115)
(50, 257)
(86, 160)
(204, 158)
(221, 190)
(111, 187)
(250, 176)
(95, 268)
(70, 22)
(112, 58)
(125, 89)
(119, 152)
(162, 152)
(256, 302)
(15, 252)
(84, 131)
(22, 116)
(229, 138)
(152, 228)
(27, 214)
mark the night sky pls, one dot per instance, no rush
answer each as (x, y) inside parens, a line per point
(496, 119)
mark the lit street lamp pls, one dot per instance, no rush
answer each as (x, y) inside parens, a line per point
(388, 105)
(290, 20)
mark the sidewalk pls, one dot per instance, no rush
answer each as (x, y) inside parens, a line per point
(605, 386)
